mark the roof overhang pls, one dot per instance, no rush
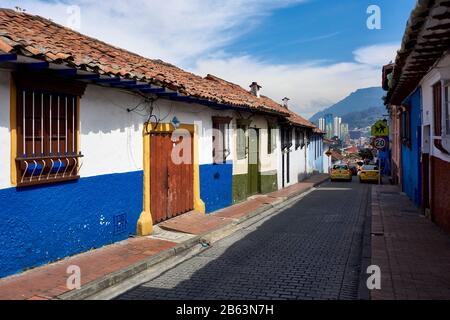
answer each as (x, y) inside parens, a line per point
(426, 40)
(18, 62)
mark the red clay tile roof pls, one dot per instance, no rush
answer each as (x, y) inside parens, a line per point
(40, 38)
(236, 89)
(299, 120)
(336, 155)
(317, 130)
(296, 119)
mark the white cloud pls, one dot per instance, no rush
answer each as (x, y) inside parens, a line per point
(177, 31)
(310, 86)
(376, 55)
(194, 35)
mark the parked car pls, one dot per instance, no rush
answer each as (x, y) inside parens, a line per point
(369, 173)
(341, 172)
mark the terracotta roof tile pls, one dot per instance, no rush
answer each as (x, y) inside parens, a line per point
(41, 38)
(317, 130)
(295, 119)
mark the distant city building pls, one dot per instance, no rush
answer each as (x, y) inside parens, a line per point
(337, 127)
(344, 132)
(322, 124)
(329, 125)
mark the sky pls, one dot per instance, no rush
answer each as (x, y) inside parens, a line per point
(316, 52)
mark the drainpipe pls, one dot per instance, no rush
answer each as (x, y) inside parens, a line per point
(306, 154)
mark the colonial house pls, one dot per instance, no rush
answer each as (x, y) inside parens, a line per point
(97, 143)
(418, 102)
(296, 135)
(395, 144)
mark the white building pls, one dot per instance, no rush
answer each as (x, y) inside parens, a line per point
(337, 127)
(322, 125)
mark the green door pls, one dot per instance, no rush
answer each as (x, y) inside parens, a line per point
(253, 162)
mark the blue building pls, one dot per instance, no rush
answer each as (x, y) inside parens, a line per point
(315, 153)
(411, 146)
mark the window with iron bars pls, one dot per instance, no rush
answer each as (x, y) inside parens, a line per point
(47, 142)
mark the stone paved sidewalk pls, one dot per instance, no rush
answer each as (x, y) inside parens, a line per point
(412, 252)
(49, 281)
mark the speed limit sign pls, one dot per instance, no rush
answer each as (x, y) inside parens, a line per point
(380, 143)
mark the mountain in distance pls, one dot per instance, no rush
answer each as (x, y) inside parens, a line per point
(360, 109)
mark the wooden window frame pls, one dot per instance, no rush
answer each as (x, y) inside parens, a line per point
(437, 109)
(241, 141)
(286, 138)
(47, 142)
(299, 139)
(221, 124)
(271, 138)
(315, 147)
(445, 141)
(438, 102)
(406, 130)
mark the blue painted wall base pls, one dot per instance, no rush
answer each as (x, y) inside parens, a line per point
(47, 223)
(216, 186)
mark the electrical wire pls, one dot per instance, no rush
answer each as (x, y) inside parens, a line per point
(168, 114)
(147, 102)
(151, 115)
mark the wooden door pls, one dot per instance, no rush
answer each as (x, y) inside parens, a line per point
(253, 162)
(171, 185)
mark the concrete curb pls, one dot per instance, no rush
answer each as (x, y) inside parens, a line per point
(366, 254)
(115, 278)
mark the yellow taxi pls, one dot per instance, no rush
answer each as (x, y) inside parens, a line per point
(341, 172)
(369, 173)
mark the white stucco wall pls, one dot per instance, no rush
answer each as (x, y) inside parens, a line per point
(239, 166)
(298, 166)
(297, 161)
(268, 162)
(5, 142)
(438, 73)
(110, 136)
(326, 159)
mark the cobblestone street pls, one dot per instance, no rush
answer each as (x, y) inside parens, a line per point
(312, 250)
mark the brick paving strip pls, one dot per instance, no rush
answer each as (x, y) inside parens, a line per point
(107, 266)
(412, 252)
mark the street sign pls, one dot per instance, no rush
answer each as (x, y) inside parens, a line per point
(381, 143)
(380, 129)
